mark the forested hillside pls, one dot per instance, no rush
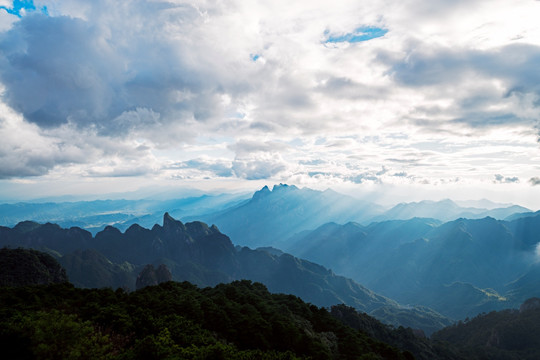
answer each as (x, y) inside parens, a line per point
(20, 267)
(241, 320)
(503, 335)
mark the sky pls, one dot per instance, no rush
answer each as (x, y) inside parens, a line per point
(396, 100)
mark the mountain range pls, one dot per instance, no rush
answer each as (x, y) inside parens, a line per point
(446, 210)
(204, 256)
(262, 219)
(459, 268)
(95, 215)
(271, 217)
(445, 264)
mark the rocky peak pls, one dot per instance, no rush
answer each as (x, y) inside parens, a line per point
(169, 223)
(284, 187)
(261, 193)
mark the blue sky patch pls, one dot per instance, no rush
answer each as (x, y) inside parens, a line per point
(254, 57)
(360, 34)
(19, 7)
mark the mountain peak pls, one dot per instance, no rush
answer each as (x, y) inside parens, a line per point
(198, 229)
(169, 221)
(261, 193)
(282, 187)
(26, 226)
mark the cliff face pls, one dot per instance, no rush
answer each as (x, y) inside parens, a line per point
(21, 267)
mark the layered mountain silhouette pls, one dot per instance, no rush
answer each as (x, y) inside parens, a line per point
(459, 268)
(446, 210)
(270, 217)
(203, 255)
(95, 215)
(266, 218)
(274, 215)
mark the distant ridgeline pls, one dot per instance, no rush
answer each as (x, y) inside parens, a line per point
(204, 256)
(459, 268)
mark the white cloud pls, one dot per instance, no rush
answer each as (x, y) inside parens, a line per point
(535, 181)
(262, 166)
(450, 91)
(501, 179)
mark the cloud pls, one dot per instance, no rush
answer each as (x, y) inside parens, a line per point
(534, 181)
(383, 171)
(112, 170)
(34, 156)
(60, 69)
(259, 167)
(245, 147)
(251, 167)
(216, 167)
(344, 87)
(442, 65)
(246, 90)
(499, 179)
(471, 81)
(29, 151)
(362, 178)
(6, 19)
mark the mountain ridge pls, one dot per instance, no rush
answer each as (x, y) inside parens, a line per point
(201, 254)
(414, 261)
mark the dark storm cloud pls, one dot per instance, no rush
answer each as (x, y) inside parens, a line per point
(62, 69)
